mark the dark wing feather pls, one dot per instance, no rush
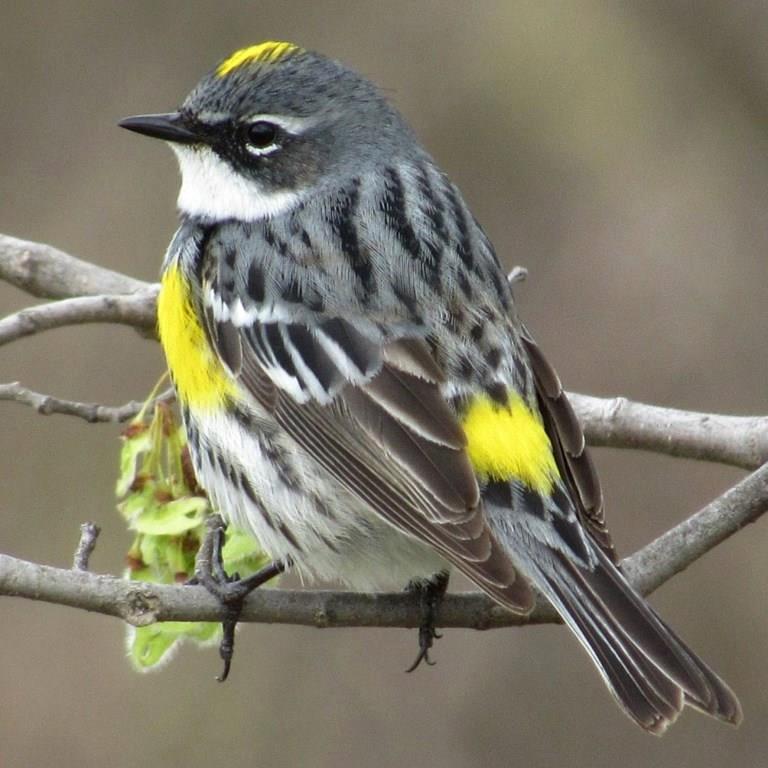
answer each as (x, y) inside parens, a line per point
(412, 400)
(427, 491)
(569, 447)
(373, 416)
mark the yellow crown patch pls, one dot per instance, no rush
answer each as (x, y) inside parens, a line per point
(266, 52)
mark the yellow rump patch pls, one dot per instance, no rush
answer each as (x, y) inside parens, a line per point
(199, 377)
(263, 53)
(507, 442)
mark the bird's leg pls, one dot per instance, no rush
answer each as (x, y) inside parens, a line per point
(231, 591)
(430, 594)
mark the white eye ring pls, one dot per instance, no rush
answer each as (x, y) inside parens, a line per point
(259, 151)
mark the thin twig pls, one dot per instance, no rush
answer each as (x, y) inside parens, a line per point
(741, 441)
(141, 603)
(675, 550)
(137, 310)
(90, 412)
(89, 532)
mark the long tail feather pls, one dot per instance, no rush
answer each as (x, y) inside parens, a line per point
(649, 670)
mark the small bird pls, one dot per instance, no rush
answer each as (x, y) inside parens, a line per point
(357, 388)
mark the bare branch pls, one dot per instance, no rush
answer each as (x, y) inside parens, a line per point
(90, 412)
(137, 310)
(89, 532)
(517, 275)
(741, 441)
(44, 271)
(141, 603)
(676, 549)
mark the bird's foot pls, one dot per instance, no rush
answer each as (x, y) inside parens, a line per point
(430, 594)
(230, 590)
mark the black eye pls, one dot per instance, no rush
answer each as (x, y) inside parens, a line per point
(261, 134)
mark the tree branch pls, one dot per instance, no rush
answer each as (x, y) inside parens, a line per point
(137, 310)
(48, 273)
(741, 441)
(675, 550)
(89, 532)
(90, 412)
(140, 603)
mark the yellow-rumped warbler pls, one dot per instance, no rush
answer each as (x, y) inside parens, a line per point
(357, 388)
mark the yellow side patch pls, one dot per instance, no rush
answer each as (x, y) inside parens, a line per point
(263, 52)
(199, 377)
(506, 442)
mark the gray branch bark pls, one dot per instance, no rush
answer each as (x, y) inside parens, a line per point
(48, 273)
(90, 412)
(141, 604)
(741, 441)
(137, 310)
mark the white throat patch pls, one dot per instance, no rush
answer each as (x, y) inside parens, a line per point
(211, 189)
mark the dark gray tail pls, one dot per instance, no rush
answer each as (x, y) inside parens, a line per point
(650, 671)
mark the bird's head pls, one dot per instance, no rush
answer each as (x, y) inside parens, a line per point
(271, 125)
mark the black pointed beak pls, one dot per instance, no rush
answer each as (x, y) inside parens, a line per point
(169, 127)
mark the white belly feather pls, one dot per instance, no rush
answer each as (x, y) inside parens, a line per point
(265, 487)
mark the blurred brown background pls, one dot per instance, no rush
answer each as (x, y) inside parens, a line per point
(618, 150)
